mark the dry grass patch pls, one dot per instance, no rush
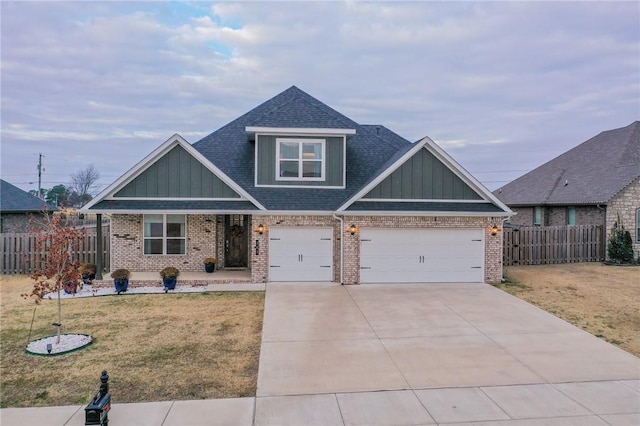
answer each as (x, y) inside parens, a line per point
(600, 299)
(155, 347)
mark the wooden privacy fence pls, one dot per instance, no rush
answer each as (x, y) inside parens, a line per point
(19, 255)
(540, 245)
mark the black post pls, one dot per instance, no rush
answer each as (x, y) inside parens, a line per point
(99, 246)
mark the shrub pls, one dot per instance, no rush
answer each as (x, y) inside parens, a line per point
(87, 269)
(120, 274)
(169, 272)
(209, 260)
(620, 246)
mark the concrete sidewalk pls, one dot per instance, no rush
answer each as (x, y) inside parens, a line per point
(414, 354)
(579, 403)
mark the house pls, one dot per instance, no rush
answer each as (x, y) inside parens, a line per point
(17, 207)
(590, 184)
(295, 191)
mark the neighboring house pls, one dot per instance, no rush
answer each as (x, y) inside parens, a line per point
(17, 207)
(295, 191)
(590, 184)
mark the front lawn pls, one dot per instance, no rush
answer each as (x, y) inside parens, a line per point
(603, 300)
(154, 347)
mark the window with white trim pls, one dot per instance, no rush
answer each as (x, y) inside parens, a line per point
(300, 159)
(165, 234)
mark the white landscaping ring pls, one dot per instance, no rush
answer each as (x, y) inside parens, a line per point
(68, 343)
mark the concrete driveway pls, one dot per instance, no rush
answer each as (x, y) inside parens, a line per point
(334, 348)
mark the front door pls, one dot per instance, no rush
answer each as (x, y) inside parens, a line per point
(236, 240)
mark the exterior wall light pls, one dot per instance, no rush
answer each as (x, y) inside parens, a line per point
(353, 230)
(260, 229)
(494, 230)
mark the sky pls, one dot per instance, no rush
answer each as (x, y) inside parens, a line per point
(503, 87)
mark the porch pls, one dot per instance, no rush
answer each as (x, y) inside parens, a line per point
(144, 279)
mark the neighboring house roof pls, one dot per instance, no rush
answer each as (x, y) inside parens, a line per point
(371, 152)
(591, 173)
(15, 200)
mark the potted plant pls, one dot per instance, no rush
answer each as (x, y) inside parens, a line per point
(88, 272)
(210, 264)
(121, 279)
(70, 287)
(169, 277)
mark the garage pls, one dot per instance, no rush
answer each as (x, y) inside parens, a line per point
(300, 254)
(421, 255)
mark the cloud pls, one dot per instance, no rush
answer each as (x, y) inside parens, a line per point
(109, 81)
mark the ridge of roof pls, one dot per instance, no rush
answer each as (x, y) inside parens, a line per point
(592, 172)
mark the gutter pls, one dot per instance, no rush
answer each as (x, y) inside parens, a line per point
(341, 247)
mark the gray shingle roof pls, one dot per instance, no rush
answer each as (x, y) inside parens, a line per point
(374, 206)
(230, 150)
(135, 205)
(591, 173)
(15, 200)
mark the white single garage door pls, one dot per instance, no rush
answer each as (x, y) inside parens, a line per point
(421, 255)
(300, 254)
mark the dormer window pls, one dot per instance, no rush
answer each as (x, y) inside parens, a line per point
(300, 159)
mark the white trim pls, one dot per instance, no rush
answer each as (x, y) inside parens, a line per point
(170, 211)
(299, 131)
(173, 199)
(300, 186)
(344, 161)
(150, 159)
(164, 237)
(382, 176)
(467, 177)
(293, 213)
(300, 160)
(422, 213)
(420, 200)
(441, 155)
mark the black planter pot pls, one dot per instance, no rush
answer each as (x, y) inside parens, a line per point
(209, 267)
(169, 283)
(121, 285)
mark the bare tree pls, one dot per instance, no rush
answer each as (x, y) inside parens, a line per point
(83, 181)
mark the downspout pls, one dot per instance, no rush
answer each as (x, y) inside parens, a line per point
(341, 247)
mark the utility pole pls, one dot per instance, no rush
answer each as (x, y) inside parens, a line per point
(40, 170)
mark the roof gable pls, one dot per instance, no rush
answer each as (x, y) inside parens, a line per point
(14, 199)
(177, 174)
(422, 177)
(153, 180)
(425, 159)
(590, 173)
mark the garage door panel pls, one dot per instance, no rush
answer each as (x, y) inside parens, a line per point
(300, 254)
(422, 255)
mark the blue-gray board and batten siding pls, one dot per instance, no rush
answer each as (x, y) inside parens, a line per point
(423, 177)
(177, 174)
(334, 161)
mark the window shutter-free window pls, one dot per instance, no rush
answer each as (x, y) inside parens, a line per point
(571, 216)
(300, 159)
(164, 234)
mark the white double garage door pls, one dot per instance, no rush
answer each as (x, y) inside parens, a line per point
(386, 255)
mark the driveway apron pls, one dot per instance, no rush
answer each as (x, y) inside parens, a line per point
(325, 338)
